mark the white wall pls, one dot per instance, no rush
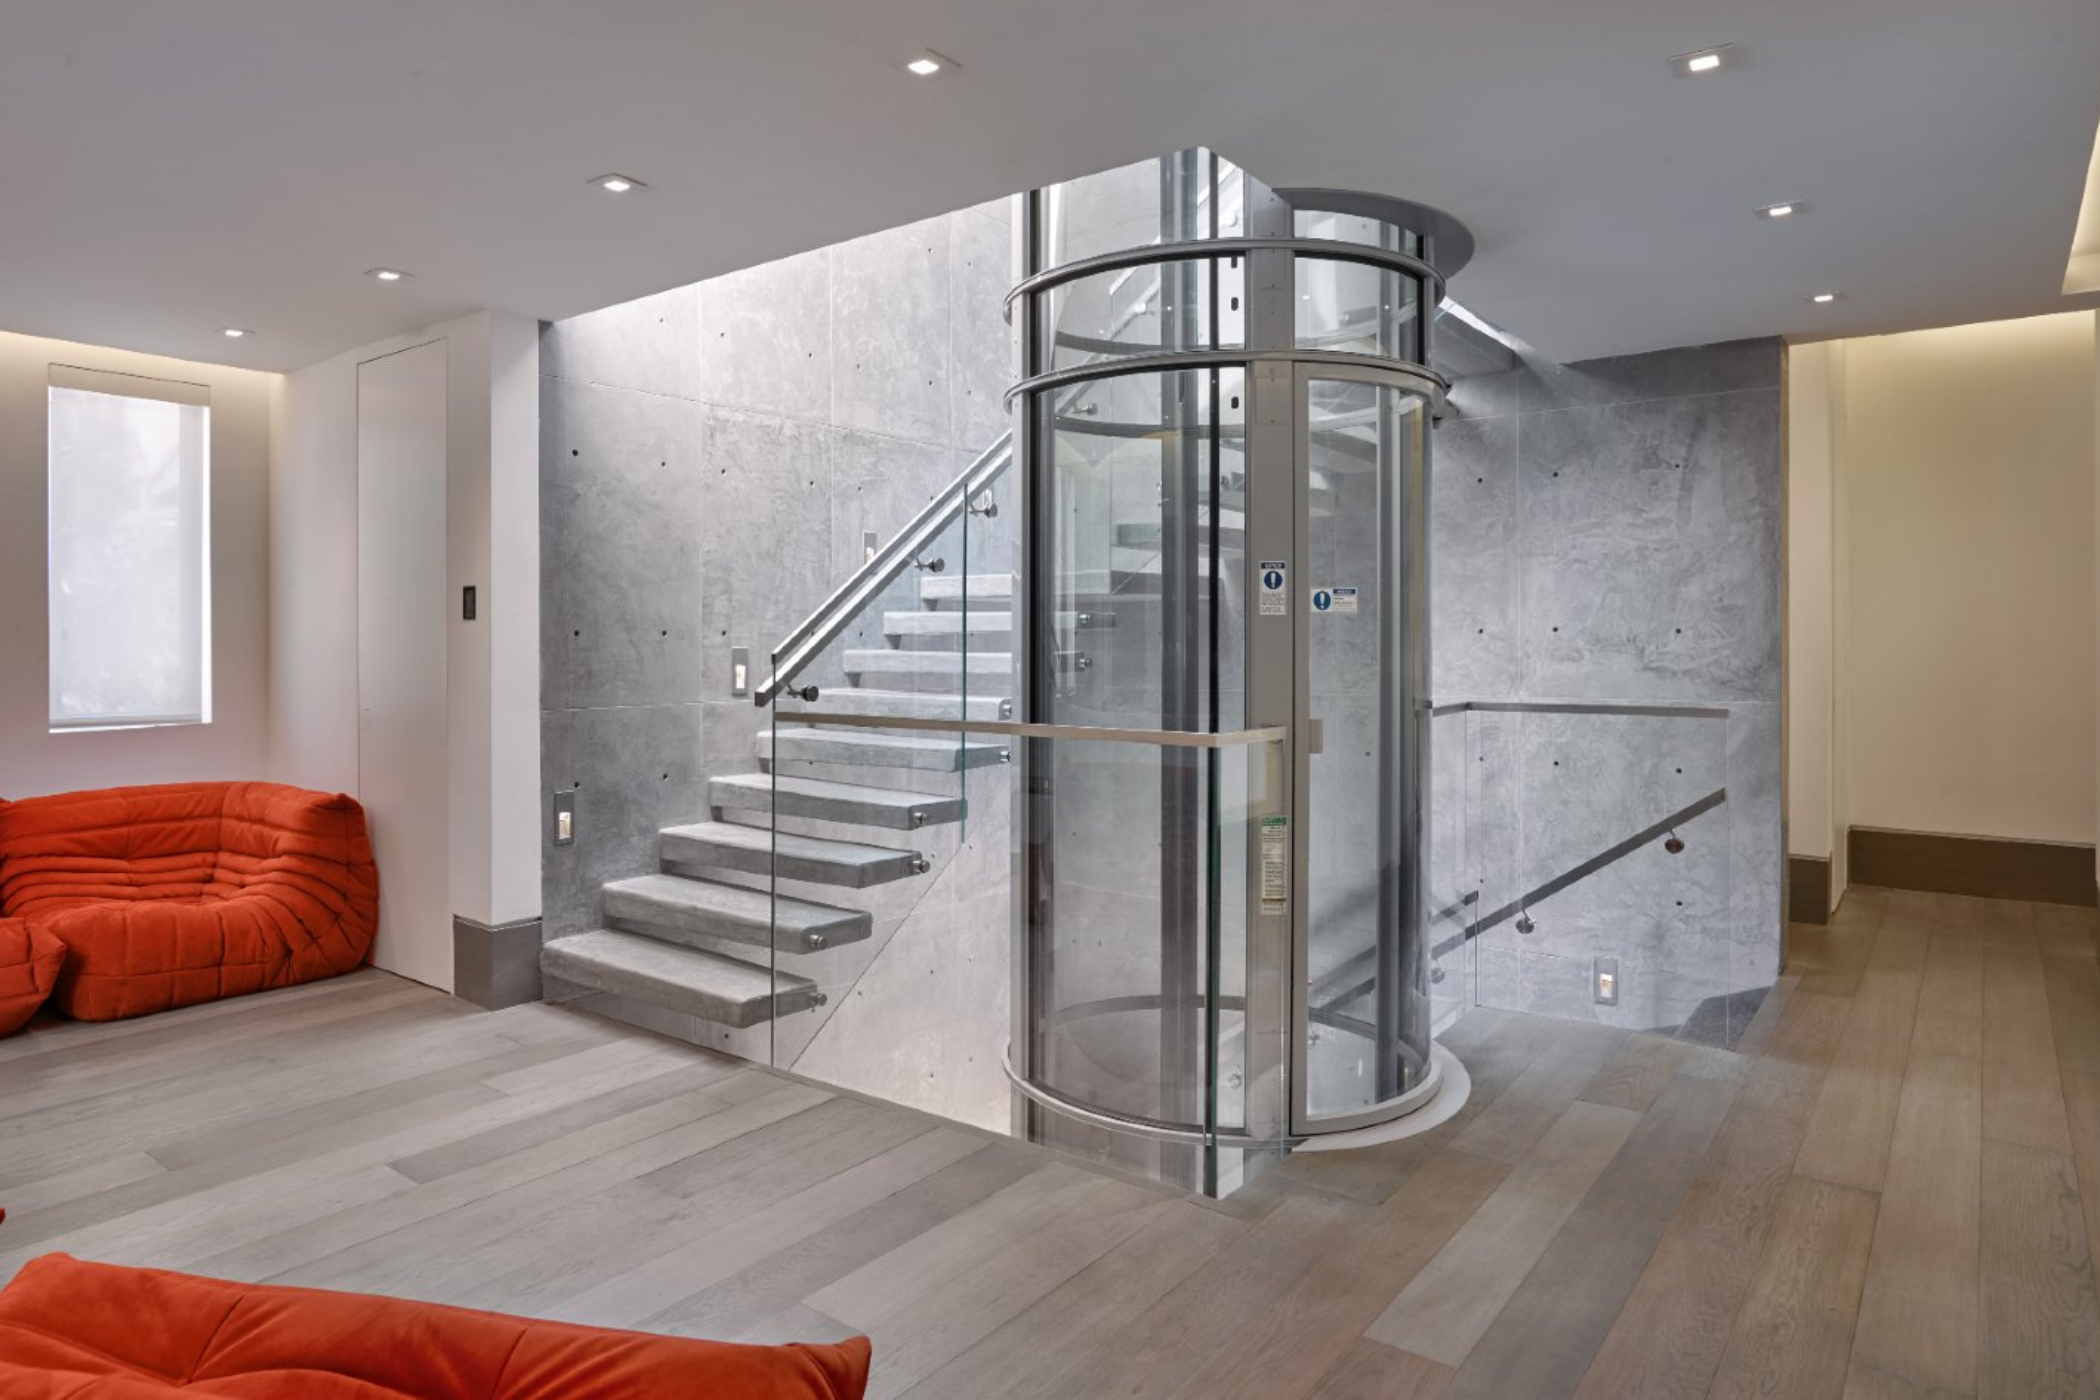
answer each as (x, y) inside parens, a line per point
(32, 759)
(1966, 465)
(1811, 371)
(492, 542)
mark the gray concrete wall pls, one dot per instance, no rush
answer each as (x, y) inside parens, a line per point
(1609, 533)
(1605, 534)
(709, 460)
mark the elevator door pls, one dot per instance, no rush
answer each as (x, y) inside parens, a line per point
(1362, 721)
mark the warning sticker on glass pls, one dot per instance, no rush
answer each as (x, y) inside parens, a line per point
(1334, 600)
(1275, 864)
(1275, 589)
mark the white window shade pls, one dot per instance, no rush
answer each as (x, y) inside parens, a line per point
(130, 551)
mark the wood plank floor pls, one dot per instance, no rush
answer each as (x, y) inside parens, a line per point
(1893, 1190)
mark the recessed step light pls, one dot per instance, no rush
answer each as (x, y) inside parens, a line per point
(1786, 210)
(927, 64)
(617, 183)
(1699, 62)
(387, 274)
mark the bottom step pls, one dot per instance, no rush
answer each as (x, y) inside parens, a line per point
(690, 980)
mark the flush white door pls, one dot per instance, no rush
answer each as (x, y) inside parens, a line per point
(401, 623)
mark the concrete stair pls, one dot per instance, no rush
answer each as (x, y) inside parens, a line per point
(909, 669)
(678, 910)
(904, 704)
(926, 753)
(978, 588)
(938, 630)
(1146, 534)
(671, 938)
(833, 802)
(691, 980)
(757, 850)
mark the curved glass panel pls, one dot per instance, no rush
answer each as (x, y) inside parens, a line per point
(1368, 1004)
(1358, 309)
(1182, 304)
(1134, 537)
(1181, 198)
(1129, 876)
(1354, 228)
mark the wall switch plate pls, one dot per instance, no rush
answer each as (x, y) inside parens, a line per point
(466, 603)
(565, 818)
(740, 670)
(1606, 975)
(868, 545)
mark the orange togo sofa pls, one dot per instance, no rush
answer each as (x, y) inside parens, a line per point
(186, 892)
(71, 1330)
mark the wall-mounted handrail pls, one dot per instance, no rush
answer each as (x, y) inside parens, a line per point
(831, 617)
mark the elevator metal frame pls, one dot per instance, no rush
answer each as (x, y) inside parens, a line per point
(1278, 376)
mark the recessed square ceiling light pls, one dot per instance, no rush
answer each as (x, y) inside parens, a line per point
(1783, 211)
(1700, 62)
(618, 184)
(234, 333)
(926, 64)
(1824, 298)
(387, 274)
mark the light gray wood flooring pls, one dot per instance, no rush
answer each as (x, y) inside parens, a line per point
(1894, 1190)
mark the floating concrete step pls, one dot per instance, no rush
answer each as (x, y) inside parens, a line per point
(930, 753)
(1150, 560)
(689, 980)
(884, 664)
(1320, 494)
(978, 588)
(834, 802)
(677, 909)
(759, 851)
(942, 628)
(1232, 527)
(906, 704)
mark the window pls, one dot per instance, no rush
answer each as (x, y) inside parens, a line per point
(130, 551)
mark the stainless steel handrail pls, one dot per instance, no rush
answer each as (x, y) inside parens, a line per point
(830, 617)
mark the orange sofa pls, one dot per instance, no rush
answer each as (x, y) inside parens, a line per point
(74, 1329)
(29, 963)
(165, 896)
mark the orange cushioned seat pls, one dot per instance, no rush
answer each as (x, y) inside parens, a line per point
(165, 896)
(29, 963)
(77, 1331)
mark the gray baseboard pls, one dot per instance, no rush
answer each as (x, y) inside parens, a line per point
(495, 967)
(1807, 890)
(2044, 872)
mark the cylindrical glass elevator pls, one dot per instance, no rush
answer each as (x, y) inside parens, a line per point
(1222, 425)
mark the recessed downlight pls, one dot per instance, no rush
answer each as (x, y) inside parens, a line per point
(616, 183)
(235, 333)
(1699, 62)
(1786, 210)
(387, 274)
(1824, 298)
(928, 64)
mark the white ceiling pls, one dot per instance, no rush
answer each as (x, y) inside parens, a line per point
(168, 169)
